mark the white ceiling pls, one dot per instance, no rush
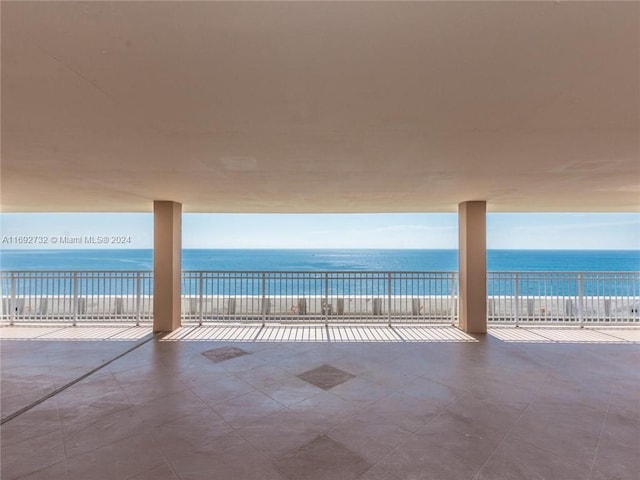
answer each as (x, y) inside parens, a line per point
(320, 106)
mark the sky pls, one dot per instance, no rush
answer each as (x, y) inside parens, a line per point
(589, 231)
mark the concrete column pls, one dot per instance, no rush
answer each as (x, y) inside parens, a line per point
(167, 265)
(472, 254)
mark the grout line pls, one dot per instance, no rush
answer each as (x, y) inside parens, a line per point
(73, 382)
(64, 440)
(604, 420)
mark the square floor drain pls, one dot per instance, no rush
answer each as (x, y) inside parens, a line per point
(325, 377)
(322, 458)
(223, 353)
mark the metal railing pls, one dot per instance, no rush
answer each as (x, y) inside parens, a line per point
(577, 298)
(563, 297)
(76, 296)
(320, 296)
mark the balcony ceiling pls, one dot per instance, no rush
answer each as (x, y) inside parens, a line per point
(320, 107)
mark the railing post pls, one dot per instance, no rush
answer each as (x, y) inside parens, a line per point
(389, 284)
(326, 299)
(201, 298)
(13, 298)
(263, 307)
(516, 300)
(75, 298)
(580, 302)
(138, 298)
(453, 299)
(4, 306)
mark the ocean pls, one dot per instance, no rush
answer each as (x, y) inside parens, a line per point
(324, 260)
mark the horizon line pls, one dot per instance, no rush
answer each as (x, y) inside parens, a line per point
(323, 248)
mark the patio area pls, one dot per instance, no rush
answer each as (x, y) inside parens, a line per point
(318, 108)
(305, 402)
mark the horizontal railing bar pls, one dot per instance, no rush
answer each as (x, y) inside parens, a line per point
(350, 272)
(313, 272)
(128, 272)
(316, 272)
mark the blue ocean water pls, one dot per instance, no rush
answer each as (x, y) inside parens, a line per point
(324, 260)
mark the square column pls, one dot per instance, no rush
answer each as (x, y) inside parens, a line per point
(167, 265)
(472, 254)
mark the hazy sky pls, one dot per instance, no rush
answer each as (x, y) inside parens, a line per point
(504, 231)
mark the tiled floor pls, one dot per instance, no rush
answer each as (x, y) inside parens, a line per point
(514, 404)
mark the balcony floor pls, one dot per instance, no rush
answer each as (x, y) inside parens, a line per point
(293, 403)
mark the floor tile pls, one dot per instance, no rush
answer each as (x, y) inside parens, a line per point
(13, 404)
(621, 429)
(40, 420)
(326, 377)
(420, 459)
(225, 458)
(514, 460)
(619, 460)
(499, 416)
(161, 472)
(219, 390)
(74, 410)
(597, 474)
(570, 431)
(361, 391)
(279, 432)
(324, 410)
(388, 377)
(625, 399)
(189, 432)
(148, 389)
(300, 363)
(290, 391)
(377, 473)
(462, 436)
(31, 455)
(264, 376)
(277, 351)
(244, 363)
(556, 391)
(369, 435)
(221, 354)
(83, 437)
(125, 458)
(247, 408)
(434, 393)
(100, 383)
(322, 459)
(165, 409)
(57, 471)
